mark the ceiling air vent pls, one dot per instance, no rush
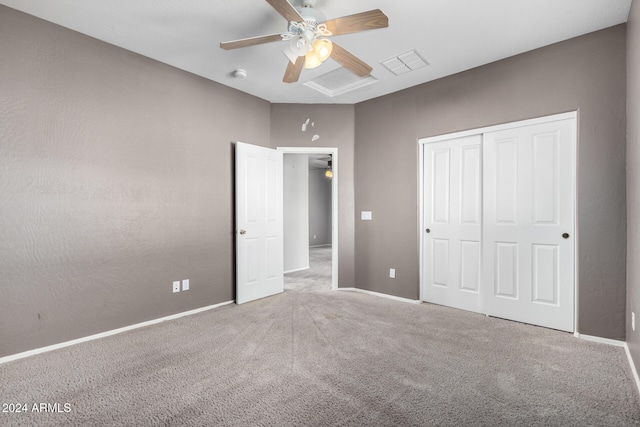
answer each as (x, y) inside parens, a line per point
(339, 81)
(404, 63)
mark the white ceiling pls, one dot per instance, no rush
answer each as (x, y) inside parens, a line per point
(452, 35)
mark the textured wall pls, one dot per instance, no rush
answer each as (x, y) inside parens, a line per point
(633, 179)
(296, 211)
(335, 126)
(584, 74)
(115, 179)
(319, 208)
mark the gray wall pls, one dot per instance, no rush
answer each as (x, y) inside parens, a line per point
(335, 125)
(319, 208)
(115, 180)
(633, 179)
(296, 211)
(584, 74)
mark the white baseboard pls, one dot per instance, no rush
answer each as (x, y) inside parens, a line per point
(297, 269)
(601, 340)
(633, 366)
(616, 343)
(378, 294)
(33, 352)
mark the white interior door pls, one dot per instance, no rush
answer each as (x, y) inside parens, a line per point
(453, 222)
(528, 230)
(259, 223)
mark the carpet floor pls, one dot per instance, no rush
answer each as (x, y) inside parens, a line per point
(315, 357)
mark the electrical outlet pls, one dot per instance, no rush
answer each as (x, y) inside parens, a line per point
(176, 286)
(392, 273)
(633, 321)
(185, 285)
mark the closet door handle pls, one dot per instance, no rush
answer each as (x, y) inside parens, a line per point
(565, 235)
(428, 230)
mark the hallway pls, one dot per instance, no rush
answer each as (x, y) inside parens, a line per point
(317, 277)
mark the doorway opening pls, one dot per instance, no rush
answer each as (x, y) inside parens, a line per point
(311, 216)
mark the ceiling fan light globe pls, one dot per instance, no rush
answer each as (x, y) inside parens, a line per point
(323, 48)
(290, 54)
(312, 60)
(300, 45)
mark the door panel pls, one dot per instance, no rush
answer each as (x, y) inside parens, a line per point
(528, 267)
(253, 268)
(506, 182)
(453, 216)
(506, 270)
(545, 274)
(441, 266)
(471, 197)
(259, 222)
(470, 266)
(441, 187)
(546, 184)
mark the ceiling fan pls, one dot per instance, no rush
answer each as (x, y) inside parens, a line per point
(307, 34)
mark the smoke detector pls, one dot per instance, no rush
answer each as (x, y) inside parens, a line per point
(239, 73)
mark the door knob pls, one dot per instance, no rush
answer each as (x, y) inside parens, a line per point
(243, 231)
(565, 235)
(428, 230)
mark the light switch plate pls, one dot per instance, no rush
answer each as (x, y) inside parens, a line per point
(366, 216)
(392, 273)
(176, 286)
(185, 285)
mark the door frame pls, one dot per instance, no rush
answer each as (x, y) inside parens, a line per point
(494, 128)
(334, 200)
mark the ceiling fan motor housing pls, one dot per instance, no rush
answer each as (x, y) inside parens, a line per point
(311, 16)
(305, 33)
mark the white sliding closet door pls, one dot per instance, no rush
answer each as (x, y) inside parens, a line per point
(528, 229)
(499, 221)
(453, 221)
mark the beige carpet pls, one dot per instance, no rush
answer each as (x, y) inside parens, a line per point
(320, 358)
(317, 277)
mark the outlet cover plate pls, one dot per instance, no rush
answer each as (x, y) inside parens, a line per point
(176, 286)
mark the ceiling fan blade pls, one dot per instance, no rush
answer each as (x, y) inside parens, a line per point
(364, 21)
(293, 70)
(348, 60)
(235, 44)
(285, 9)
